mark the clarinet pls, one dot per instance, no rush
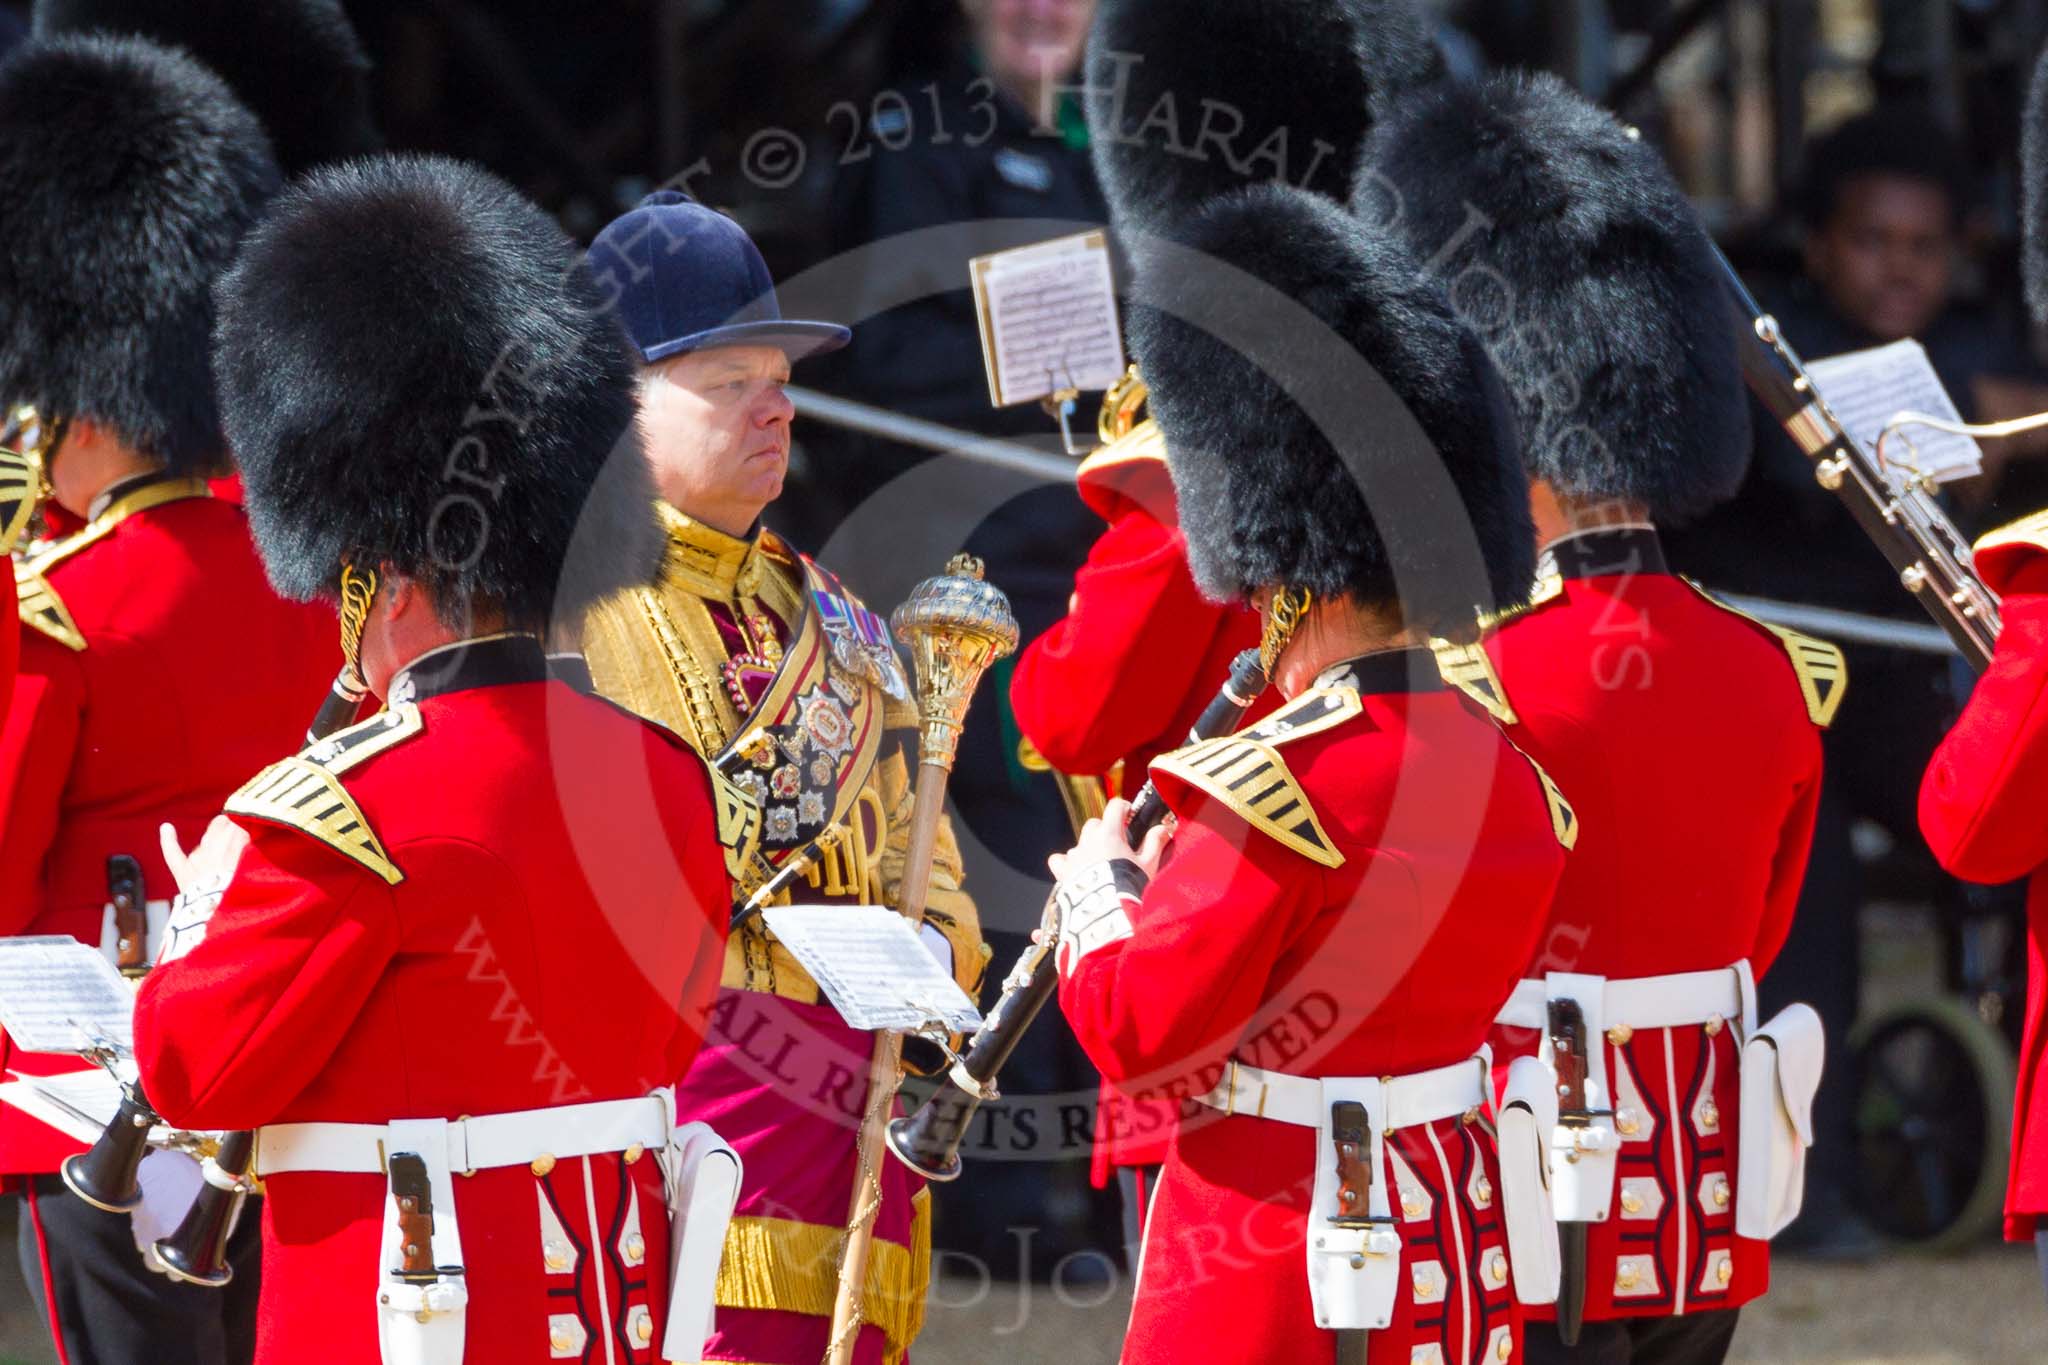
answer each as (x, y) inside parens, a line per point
(339, 707)
(928, 1141)
(1931, 556)
(197, 1252)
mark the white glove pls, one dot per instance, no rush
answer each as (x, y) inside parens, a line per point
(170, 1182)
(203, 876)
(938, 945)
(1093, 904)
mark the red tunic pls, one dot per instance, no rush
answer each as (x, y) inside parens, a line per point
(1141, 651)
(180, 676)
(1980, 808)
(10, 658)
(555, 939)
(1122, 678)
(1390, 963)
(1687, 863)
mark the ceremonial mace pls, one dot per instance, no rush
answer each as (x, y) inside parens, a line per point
(955, 626)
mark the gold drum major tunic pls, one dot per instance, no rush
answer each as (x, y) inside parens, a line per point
(764, 663)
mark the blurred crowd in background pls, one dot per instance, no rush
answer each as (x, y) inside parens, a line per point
(1857, 158)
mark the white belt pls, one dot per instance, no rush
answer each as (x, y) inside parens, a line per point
(474, 1144)
(1675, 1001)
(1422, 1097)
(1353, 1265)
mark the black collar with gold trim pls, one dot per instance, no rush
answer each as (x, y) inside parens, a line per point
(1609, 552)
(487, 661)
(121, 490)
(1386, 671)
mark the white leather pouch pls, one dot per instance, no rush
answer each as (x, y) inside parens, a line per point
(1354, 1273)
(1781, 1068)
(1528, 1114)
(704, 1186)
(423, 1324)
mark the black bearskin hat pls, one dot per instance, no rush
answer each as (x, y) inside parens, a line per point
(1563, 241)
(128, 173)
(1372, 455)
(2034, 172)
(1188, 99)
(296, 63)
(418, 370)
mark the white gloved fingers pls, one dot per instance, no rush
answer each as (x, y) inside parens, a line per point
(938, 945)
(170, 1182)
(213, 862)
(174, 856)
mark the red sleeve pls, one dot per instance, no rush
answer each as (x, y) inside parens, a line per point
(1103, 682)
(1171, 1000)
(1980, 803)
(36, 749)
(1788, 868)
(230, 1033)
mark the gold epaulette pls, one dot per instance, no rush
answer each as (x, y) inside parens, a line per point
(1247, 774)
(1467, 668)
(304, 792)
(41, 609)
(1564, 821)
(1822, 672)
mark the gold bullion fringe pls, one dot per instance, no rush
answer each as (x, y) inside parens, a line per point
(783, 1265)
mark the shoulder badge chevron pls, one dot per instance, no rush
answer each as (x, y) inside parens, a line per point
(1564, 821)
(1467, 668)
(20, 482)
(1252, 779)
(1822, 672)
(42, 610)
(305, 792)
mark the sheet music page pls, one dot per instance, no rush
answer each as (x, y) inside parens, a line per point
(57, 995)
(1048, 318)
(1869, 388)
(79, 1105)
(872, 966)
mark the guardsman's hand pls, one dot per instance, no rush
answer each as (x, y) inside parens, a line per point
(203, 876)
(208, 868)
(1100, 880)
(1103, 840)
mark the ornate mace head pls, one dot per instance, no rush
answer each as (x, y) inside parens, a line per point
(955, 626)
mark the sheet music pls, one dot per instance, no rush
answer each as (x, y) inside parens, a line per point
(872, 967)
(1869, 388)
(1048, 318)
(57, 995)
(79, 1105)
